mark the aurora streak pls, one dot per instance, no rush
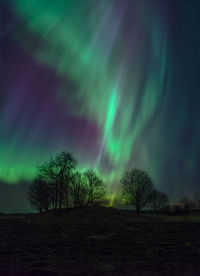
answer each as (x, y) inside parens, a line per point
(95, 78)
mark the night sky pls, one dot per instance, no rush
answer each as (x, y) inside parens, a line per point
(115, 82)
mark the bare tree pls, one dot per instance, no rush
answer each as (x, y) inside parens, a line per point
(48, 173)
(39, 195)
(137, 188)
(59, 172)
(197, 200)
(78, 190)
(158, 200)
(187, 204)
(95, 187)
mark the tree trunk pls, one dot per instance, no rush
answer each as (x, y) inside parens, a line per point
(67, 196)
(137, 210)
(56, 196)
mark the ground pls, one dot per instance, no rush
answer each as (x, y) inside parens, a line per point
(99, 241)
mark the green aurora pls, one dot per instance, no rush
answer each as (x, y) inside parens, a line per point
(110, 61)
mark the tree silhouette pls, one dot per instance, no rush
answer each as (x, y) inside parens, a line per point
(39, 195)
(95, 186)
(158, 200)
(137, 188)
(78, 190)
(187, 204)
(58, 172)
(197, 200)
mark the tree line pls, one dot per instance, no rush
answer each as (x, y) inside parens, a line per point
(58, 184)
(187, 205)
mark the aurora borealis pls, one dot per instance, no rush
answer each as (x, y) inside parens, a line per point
(116, 82)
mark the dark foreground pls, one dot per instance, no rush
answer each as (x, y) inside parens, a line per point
(99, 241)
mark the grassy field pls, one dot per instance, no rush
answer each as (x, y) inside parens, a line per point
(99, 241)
